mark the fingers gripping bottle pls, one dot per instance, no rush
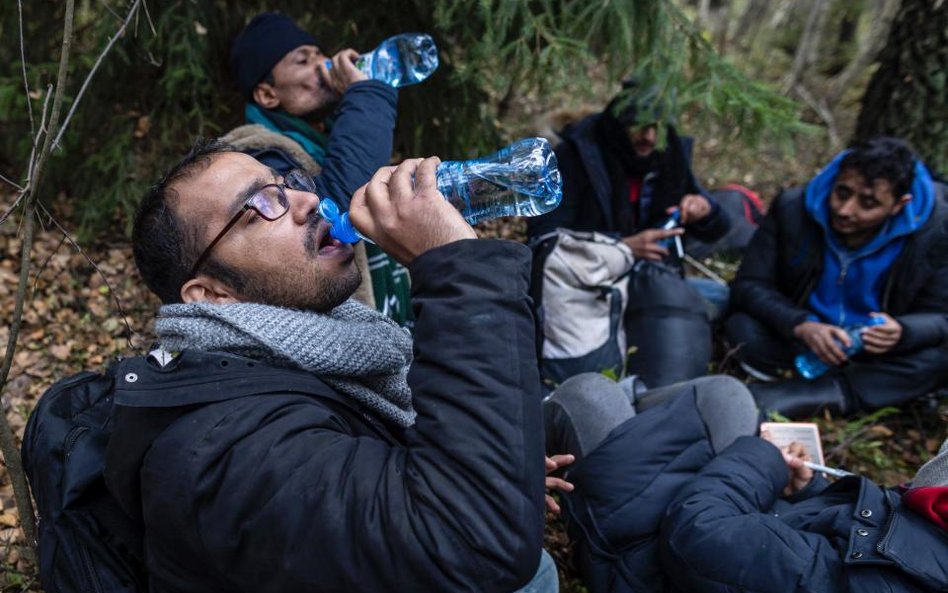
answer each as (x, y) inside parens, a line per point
(809, 364)
(519, 180)
(672, 222)
(401, 60)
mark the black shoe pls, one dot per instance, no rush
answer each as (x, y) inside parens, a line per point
(801, 398)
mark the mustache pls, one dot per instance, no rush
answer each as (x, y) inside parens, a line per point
(312, 224)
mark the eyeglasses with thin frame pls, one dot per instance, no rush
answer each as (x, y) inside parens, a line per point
(269, 202)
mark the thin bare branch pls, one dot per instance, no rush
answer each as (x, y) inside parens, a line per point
(61, 78)
(809, 42)
(12, 208)
(704, 269)
(26, 191)
(825, 113)
(13, 183)
(42, 267)
(148, 18)
(36, 137)
(98, 62)
(26, 83)
(11, 454)
(129, 332)
(117, 16)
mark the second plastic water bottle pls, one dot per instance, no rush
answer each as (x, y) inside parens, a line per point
(519, 180)
(401, 60)
(809, 364)
(672, 222)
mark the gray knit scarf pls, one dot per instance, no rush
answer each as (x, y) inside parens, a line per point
(358, 351)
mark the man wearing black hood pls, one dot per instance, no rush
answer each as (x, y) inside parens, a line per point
(616, 180)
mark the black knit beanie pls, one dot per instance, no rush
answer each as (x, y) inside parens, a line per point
(263, 43)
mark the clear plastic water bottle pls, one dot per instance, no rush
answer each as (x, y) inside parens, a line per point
(401, 60)
(673, 221)
(809, 364)
(519, 180)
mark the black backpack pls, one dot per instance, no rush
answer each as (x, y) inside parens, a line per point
(86, 542)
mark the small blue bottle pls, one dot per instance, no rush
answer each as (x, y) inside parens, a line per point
(401, 60)
(809, 364)
(519, 180)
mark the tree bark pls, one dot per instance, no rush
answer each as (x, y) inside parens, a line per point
(908, 94)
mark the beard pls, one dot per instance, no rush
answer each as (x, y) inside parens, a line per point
(307, 289)
(304, 285)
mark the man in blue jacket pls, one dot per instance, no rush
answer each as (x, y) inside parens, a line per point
(302, 114)
(288, 438)
(866, 238)
(756, 520)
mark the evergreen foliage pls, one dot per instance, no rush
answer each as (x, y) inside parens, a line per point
(168, 80)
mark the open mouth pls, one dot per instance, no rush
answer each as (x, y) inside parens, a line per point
(325, 243)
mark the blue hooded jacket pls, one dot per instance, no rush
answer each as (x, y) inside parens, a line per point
(851, 285)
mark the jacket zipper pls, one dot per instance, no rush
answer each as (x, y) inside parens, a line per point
(89, 567)
(842, 273)
(72, 437)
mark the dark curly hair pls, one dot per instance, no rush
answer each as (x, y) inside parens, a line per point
(883, 157)
(164, 245)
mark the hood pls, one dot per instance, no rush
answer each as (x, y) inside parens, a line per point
(915, 213)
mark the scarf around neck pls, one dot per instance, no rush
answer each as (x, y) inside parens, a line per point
(277, 120)
(355, 349)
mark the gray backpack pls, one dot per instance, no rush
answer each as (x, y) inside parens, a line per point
(581, 284)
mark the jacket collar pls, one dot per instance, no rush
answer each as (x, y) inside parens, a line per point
(196, 377)
(917, 546)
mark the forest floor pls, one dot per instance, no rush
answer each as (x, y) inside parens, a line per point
(83, 309)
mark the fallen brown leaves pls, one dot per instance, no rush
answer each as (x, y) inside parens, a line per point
(70, 323)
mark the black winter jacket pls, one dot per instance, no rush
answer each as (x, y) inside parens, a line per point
(785, 258)
(590, 194)
(728, 530)
(622, 488)
(254, 478)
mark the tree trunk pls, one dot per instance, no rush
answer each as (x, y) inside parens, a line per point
(809, 42)
(750, 20)
(908, 94)
(869, 49)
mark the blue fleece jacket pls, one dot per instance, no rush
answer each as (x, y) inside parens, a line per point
(851, 285)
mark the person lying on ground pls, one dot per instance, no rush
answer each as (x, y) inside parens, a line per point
(757, 519)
